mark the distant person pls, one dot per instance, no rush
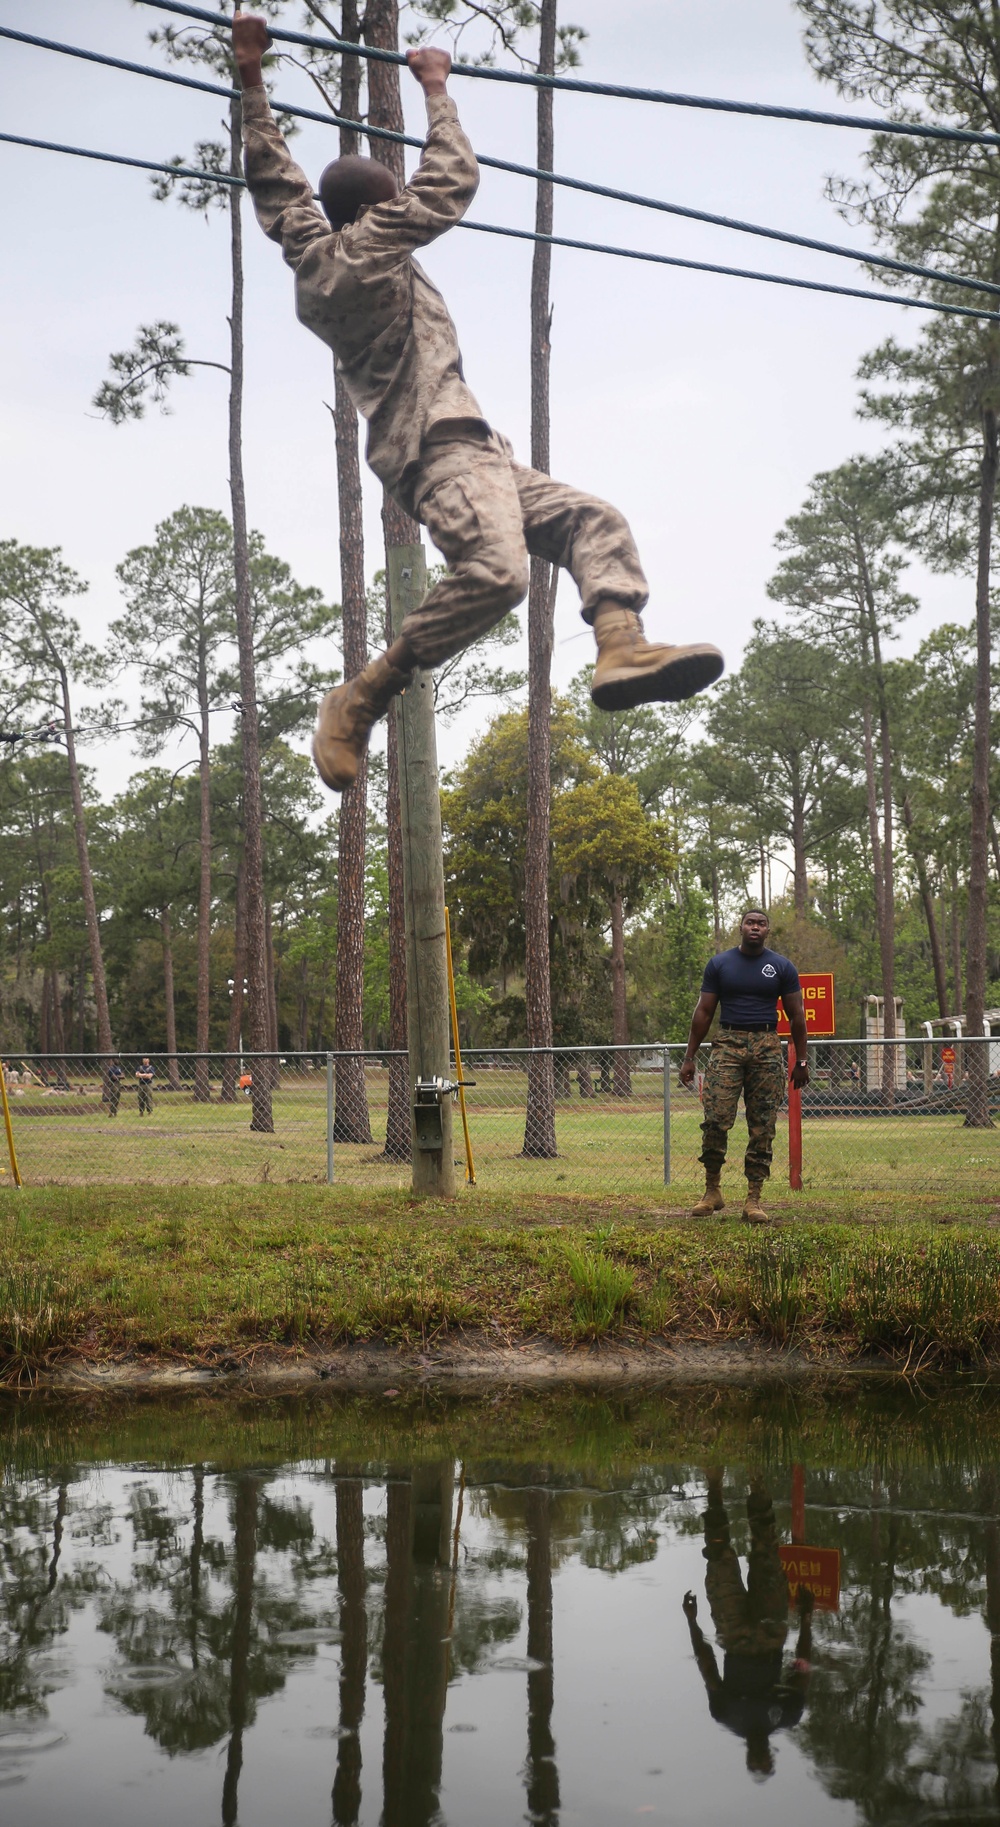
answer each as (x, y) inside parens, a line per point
(113, 1086)
(359, 289)
(144, 1082)
(746, 1056)
(755, 1694)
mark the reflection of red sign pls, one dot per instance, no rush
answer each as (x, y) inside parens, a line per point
(817, 1568)
(817, 1001)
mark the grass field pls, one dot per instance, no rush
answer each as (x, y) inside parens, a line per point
(895, 1165)
(217, 1274)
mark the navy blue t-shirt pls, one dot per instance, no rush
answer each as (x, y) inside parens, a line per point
(749, 987)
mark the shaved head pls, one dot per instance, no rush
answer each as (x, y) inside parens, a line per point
(351, 184)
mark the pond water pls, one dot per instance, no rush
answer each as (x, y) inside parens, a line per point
(412, 1610)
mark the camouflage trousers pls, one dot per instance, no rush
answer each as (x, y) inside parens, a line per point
(751, 1619)
(747, 1060)
(486, 514)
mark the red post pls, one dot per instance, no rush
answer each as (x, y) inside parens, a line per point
(798, 1503)
(794, 1126)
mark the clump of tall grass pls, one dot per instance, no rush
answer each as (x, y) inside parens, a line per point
(602, 1292)
(38, 1313)
(775, 1285)
(945, 1296)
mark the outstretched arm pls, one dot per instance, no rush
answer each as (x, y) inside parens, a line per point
(282, 194)
(703, 1655)
(443, 185)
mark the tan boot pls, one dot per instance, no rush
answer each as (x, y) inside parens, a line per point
(631, 670)
(711, 1199)
(753, 1211)
(345, 719)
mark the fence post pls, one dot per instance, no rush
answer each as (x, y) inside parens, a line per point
(666, 1116)
(329, 1119)
(794, 1126)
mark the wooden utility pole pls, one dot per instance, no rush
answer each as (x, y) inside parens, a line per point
(427, 1008)
(385, 109)
(540, 1119)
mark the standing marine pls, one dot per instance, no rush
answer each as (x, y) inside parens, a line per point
(746, 1056)
(358, 288)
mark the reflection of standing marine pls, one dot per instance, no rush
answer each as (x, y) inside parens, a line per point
(746, 1057)
(755, 1695)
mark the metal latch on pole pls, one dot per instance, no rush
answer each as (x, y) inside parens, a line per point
(428, 1109)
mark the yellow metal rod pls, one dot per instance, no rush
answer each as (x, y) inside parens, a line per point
(15, 1170)
(470, 1166)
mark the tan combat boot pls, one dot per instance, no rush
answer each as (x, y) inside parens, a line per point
(753, 1211)
(345, 719)
(711, 1199)
(631, 670)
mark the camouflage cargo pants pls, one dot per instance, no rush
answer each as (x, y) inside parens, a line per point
(747, 1060)
(486, 514)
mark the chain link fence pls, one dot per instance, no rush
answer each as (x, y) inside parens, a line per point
(623, 1123)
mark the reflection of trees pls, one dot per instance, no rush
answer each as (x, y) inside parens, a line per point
(354, 1649)
(240, 1642)
(415, 1646)
(198, 1627)
(542, 1770)
(37, 1598)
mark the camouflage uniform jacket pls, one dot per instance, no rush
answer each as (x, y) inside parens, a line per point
(359, 289)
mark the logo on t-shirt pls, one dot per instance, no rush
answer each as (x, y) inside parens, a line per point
(768, 971)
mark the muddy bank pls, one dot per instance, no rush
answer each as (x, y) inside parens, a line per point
(467, 1366)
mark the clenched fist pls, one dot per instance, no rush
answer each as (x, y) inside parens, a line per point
(431, 68)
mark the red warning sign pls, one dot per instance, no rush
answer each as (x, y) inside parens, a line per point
(817, 1568)
(818, 1003)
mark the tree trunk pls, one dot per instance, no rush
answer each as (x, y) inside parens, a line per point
(302, 1023)
(801, 877)
(202, 1088)
(385, 109)
(956, 945)
(258, 1018)
(104, 1041)
(887, 923)
(927, 902)
(57, 1032)
(619, 1007)
(977, 1112)
(173, 1075)
(231, 1062)
(540, 1115)
(272, 994)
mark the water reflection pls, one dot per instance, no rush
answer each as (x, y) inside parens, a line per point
(471, 1636)
(756, 1694)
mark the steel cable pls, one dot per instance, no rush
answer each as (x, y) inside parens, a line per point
(859, 255)
(587, 247)
(579, 85)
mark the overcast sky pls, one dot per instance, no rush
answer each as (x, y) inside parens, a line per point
(701, 406)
